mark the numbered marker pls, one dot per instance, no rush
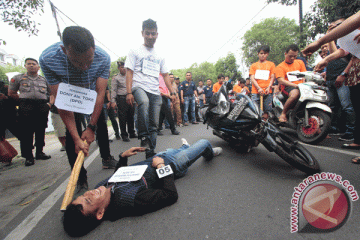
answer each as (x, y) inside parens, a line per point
(164, 171)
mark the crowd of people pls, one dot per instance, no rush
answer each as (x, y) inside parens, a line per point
(144, 95)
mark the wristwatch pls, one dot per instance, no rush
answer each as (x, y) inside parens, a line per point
(92, 127)
(344, 74)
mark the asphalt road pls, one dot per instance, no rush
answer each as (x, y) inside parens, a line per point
(234, 196)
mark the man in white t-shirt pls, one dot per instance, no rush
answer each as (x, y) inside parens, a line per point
(143, 67)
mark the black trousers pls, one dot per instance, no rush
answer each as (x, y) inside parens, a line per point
(8, 118)
(355, 99)
(126, 116)
(165, 112)
(102, 136)
(33, 117)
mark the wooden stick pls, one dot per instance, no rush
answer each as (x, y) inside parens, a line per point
(70, 189)
(262, 102)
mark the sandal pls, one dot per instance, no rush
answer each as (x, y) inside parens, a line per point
(355, 160)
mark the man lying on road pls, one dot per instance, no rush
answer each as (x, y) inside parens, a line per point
(150, 193)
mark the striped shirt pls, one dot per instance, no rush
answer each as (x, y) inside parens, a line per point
(57, 67)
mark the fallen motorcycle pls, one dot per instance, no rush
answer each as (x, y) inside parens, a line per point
(241, 124)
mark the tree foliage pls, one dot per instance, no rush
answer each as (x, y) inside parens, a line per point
(206, 70)
(19, 13)
(10, 68)
(325, 11)
(283, 2)
(274, 32)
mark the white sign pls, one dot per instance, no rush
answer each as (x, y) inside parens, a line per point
(348, 44)
(128, 174)
(75, 99)
(262, 74)
(293, 78)
(151, 68)
(164, 171)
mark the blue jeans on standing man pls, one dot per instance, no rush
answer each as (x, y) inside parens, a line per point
(267, 101)
(189, 101)
(343, 93)
(148, 112)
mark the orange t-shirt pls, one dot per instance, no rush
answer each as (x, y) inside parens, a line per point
(269, 66)
(238, 89)
(216, 87)
(283, 68)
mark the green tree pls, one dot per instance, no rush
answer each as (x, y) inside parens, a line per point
(227, 66)
(274, 32)
(10, 68)
(19, 13)
(325, 11)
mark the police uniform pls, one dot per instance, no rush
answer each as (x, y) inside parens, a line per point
(33, 113)
(208, 91)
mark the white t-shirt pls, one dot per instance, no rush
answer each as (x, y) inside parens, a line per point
(147, 66)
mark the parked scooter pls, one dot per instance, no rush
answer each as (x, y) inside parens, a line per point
(241, 124)
(311, 117)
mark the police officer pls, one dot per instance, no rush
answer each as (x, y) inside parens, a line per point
(208, 91)
(188, 90)
(33, 109)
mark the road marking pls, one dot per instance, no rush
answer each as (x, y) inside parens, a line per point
(23, 229)
(333, 150)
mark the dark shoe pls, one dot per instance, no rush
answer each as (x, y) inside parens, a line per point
(81, 187)
(29, 162)
(149, 154)
(355, 160)
(159, 133)
(145, 143)
(109, 163)
(110, 141)
(42, 156)
(346, 137)
(118, 137)
(195, 123)
(126, 139)
(133, 135)
(175, 132)
(349, 146)
(167, 127)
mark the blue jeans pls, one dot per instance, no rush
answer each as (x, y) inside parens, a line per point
(267, 101)
(182, 158)
(148, 112)
(189, 102)
(343, 94)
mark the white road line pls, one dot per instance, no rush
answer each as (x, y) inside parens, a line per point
(23, 229)
(333, 150)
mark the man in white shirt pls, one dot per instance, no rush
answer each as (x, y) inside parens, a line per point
(143, 67)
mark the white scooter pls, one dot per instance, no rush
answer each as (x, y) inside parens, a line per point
(311, 117)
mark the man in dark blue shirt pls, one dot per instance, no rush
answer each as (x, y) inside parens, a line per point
(188, 94)
(208, 91)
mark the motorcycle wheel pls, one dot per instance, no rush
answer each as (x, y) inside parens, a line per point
(319, 122)
(295, 154)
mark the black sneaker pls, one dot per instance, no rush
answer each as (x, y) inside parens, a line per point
(149, 153)
(175, 132)
(133, 135)
(346, 137)
(109, 163)
(126, 139)
(118, 137)
(42, 156)
(29, 162)
(145, 142)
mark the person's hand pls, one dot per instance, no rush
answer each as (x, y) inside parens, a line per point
(130, 99)
(339, 81)
(182, 101)
(323, 74)
(276, 89)
(113, 105)
(267, 90)
(204, 101)
(261, 91)
(3, 96)
(357, 38)
(132, 151)
(108, 105)
(88, 135)
(197, 100)
(321, 65)
(173, 98)
(80, 145)
(311, 48)
(158, 162)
